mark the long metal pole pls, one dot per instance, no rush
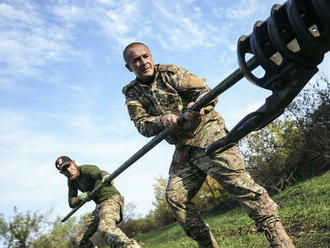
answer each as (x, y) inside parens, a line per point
(219, 89)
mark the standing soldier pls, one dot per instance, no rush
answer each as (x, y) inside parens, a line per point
(155, 99)
(101, 225)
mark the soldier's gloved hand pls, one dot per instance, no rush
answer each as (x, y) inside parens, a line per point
(104, 178)
(83, 197)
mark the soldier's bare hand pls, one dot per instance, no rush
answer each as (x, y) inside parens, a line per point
(170, 121)
(190, 115)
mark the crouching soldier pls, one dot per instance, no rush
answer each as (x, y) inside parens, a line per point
(100, 227)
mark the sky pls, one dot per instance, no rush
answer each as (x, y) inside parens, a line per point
(61, 81)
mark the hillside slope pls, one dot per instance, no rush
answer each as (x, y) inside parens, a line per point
(305, 213)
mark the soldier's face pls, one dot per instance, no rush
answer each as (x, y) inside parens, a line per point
(139, 61)
(71, 171)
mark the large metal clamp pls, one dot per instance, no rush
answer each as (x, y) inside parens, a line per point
(288, 46)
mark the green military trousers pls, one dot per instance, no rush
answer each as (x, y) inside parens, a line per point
(100, 227)
(188, 171)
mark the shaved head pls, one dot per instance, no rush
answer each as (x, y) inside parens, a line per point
(133, 44)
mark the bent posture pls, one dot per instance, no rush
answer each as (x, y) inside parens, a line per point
(100, 227)
(155, 99)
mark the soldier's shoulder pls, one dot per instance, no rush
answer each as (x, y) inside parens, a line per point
(127, 87)
(168, 68)
(87, 167)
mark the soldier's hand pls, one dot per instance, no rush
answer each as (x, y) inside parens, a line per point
(190, 115)
(170, 121)
(104, 178)
(83, 197)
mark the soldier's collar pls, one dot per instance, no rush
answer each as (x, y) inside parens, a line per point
(150, 82)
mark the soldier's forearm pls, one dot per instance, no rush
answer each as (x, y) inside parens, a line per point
(149, 127)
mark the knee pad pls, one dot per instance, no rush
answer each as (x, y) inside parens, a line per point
(172, 198)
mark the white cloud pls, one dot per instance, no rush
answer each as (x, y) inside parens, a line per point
(107, 2)
(18, 15)
(28, 41)
(115, 19)
(243, 9)
(43, 40)
(184, 29)
(69, 13)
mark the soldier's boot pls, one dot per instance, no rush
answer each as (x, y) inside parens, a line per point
(208, 241)
(277, 236)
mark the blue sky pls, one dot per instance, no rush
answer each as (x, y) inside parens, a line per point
(61, 78)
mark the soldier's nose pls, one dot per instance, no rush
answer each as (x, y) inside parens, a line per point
(143, 61)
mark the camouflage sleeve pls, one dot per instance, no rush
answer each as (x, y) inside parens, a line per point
(210, 106)
(146, 125)
(192, 87)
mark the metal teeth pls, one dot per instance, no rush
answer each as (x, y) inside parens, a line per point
(296, 32)
(322, 8)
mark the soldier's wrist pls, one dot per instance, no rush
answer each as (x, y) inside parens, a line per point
(159, 121)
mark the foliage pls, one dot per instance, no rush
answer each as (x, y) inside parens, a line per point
(130, 225)
(20, 230)
(162, 212)
(58, 236)
(269, 153)
(311, 114)
(26, 230)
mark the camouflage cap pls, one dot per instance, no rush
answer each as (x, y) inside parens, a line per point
(62, 161)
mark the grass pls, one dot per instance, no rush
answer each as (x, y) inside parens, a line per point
(305, 213)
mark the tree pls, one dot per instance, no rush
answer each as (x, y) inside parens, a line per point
(162, 212)
(270, 154)
(59, 234)
(35, 230)
(311, 113)
(210, 194)
(21, 229)
(131, 224)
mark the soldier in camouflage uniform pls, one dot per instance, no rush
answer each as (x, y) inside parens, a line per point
(158, 95)
(100, 227)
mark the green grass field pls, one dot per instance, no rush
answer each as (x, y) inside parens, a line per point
(305, 212)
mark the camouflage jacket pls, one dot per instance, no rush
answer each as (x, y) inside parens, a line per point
(170, 92)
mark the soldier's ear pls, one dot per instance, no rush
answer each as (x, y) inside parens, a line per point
(129, 67)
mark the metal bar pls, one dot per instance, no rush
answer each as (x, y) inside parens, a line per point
(220, 88)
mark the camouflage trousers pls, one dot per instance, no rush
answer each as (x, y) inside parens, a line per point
(188, 171)
(100, 227)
